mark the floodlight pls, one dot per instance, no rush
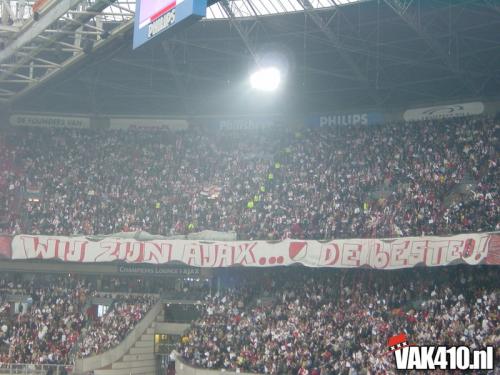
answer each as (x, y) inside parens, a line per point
(266, 79)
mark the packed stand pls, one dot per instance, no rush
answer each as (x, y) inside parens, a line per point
(42, 319)
(43, 328)
(108, 331)
(9, 186)
(316, 183)
(335, 322)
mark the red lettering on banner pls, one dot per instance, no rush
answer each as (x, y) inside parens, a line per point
(330, 254)
(33, 248)
(480, 251)
(207, 256)
(380, 258)
(116, 253)
(74, 250)
(420, 247)
(417, 254)
(54, 243)
(193, 255)
(111, 251)
(468, 248)
(219, 254)
(157, 253)
(245, 255)
(351, 254)
(438, 252)
(380, 254)
(400, 253)
(454, 250)
(134, 252)
(224, 255)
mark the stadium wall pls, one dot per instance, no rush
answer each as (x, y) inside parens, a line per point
(181, 368)
(57, 267)
(243, 122)
(37, 266)
(171, 328)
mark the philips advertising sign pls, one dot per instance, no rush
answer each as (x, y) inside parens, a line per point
(239, 123)
(345, 119)
(152, 17)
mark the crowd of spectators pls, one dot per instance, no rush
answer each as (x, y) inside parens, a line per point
(42, 320)
(397, 179)
(313, 322)
(42, 327)
(110, 329)
(9, 186)
(315, 183)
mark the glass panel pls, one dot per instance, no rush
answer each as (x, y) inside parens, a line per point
(242, 8)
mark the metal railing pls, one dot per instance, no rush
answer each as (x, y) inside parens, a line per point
(34, 369)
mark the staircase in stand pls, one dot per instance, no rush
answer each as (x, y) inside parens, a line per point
(140, 358)
(133, 356)
(459, 191)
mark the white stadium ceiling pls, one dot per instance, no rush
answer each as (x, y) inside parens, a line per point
(358, 55)
(121, 9)
(253, 8)
(37, 45)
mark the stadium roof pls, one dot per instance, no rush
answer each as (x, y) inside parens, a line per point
(255, 8)
(343, 54)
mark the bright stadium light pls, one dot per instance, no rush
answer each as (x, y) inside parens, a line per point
(266, 79)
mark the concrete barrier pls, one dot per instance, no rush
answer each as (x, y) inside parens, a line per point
(181, 368)
(171, 328)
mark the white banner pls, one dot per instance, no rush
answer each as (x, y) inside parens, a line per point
(244, 123)
(148, 124)
(444, 111)
(46, 121)
(381, 254)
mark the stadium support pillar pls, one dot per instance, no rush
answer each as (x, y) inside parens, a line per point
(6, 12)
(21, 6)
(99, 24)
(34, 29)
(78, 40)
(239, 27)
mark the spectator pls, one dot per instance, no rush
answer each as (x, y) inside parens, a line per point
(109, 330)
(334, 322)
(48, 330)
(381, 181)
